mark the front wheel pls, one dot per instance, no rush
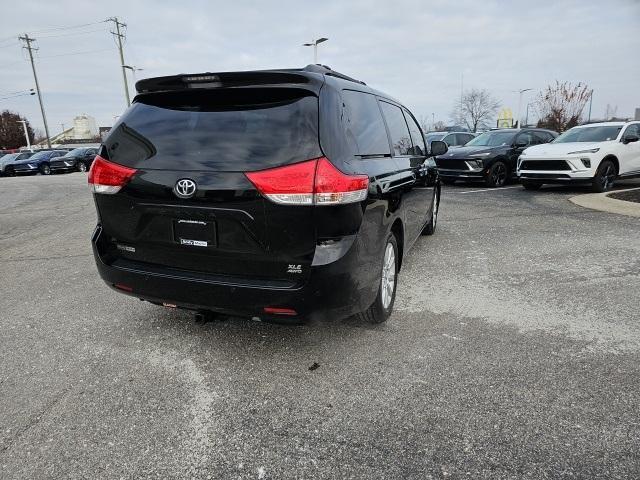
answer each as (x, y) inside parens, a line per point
(497, 175)
(381, 308)
(605, 176)
(45, 169)
(82, 167)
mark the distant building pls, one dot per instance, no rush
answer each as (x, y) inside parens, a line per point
(84, 130)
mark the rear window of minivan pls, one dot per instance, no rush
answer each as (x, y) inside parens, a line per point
(224, 130)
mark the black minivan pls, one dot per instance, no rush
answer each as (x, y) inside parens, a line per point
(272, 194)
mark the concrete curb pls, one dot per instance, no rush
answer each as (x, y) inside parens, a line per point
(600, 201)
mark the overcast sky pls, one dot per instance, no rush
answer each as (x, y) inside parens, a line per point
(416, 51)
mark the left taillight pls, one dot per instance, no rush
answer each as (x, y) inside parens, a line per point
(108, 177)
(313, 182)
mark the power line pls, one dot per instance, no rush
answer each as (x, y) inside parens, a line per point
(73, 33)
(68, 27)
(75, 53)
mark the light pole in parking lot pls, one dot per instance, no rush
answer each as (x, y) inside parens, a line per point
(518, 120)
(314, 44)
(26, 133)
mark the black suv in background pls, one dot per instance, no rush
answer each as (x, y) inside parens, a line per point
(79, 159)
(272, 194)
(491, 157)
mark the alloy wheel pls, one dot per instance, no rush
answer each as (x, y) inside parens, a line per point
(608, 176)
(499, 175)
(388, 281)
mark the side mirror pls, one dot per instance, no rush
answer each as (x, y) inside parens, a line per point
(630, 138)
(521, 144)
(438, 147)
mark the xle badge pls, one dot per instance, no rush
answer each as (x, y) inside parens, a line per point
(294, 269)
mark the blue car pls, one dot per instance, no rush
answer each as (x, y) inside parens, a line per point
(38, 163)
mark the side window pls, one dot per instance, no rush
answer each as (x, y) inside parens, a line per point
(538, 138)
(364, 123)
(466, 138)
(633, 129)
(416, 136)
(526, 137)
(450, 140)
(398, 130)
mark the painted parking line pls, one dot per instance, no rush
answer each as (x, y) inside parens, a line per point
(484, 190)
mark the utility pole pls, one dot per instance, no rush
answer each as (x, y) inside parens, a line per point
(26, 133)
(119, 36)
(27, 44)
(590, 102)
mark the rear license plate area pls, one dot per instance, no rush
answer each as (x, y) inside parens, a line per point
(194, 233)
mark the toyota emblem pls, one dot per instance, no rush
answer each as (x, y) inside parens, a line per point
(185, 188)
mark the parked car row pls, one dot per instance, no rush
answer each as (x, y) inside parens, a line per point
(47, 162)
(595, 154)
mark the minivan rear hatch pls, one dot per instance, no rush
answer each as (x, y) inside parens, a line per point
(211, 138)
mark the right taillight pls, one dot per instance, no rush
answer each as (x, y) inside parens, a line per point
(108, 177)
(314, 182)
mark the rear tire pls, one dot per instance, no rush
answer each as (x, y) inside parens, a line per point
(430, 228)
(497, 175)
(382, 306)
(531, 185)
(605, 176)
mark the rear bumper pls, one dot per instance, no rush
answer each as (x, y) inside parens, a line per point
(332, 291)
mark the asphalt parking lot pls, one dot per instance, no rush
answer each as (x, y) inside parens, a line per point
(513, 352)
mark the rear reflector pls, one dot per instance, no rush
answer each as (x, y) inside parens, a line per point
(314, 182)
(123, 287)
(280, 311)
(108, 177)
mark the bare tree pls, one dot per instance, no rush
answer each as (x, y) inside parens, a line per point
(476, 109)
(12, 131)
(560, 106)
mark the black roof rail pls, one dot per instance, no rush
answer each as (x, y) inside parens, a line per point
(325, 70)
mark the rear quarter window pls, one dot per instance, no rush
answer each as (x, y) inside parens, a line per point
(398, 129)
(364, 123)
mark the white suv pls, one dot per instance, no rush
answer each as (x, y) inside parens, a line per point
(596, 153)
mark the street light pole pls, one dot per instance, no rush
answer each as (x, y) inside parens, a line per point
(133, 69)
(518, 119)
(26, 133)
(314, 44)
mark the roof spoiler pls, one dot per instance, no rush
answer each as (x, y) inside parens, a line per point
(207, 80)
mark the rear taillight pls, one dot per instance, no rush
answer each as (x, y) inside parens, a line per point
(314, 182)
(108, 177)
